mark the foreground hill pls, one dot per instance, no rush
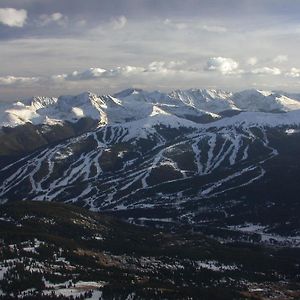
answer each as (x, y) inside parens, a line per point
(56, 251)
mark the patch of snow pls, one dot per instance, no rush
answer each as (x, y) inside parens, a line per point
(292, 131)
(266, 237)
(216, 266)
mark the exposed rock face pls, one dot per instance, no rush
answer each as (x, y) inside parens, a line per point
(22, 139)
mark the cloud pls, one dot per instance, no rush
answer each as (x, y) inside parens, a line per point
(56, 18)
(91, 73)
(175, 64)
(123, 71)
(157, 74)
(17, 81)
(192, 25)
(12, 17)
(293, 73)
(223, 65)
(95, 73)
(191, 33)
(252, 61)
(228, 66)
(58, 78)
(280, 59)
(164, 67)
(81, 22)
(216, 29)
(266, 71)
(158, 67)
(119, 22)
(176, 25)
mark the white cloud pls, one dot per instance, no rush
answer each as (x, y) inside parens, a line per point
(176, 25)
(91, 73)
(123, 71)
(294, 73)
(57, 18)
(212, 28)
(196, 26)
(165, 67)
(280, 59)
(12, 17)
(119, 22)
(174, 64)
(266, 71)
(144, 40)
(58, 78)
(252, 61)
(18, 81)
(224, 65)
(94, 73)
(157, 72)
(158, 67)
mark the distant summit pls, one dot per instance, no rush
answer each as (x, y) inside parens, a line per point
(189, 104)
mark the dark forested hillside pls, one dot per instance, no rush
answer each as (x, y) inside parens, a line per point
(51, 251)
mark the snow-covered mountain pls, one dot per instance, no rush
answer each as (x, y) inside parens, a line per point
(200, 106)
(196, 157)
(43, 110)
(209, 100)
(255, 100)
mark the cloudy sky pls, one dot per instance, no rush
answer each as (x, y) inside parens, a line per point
(52, 47)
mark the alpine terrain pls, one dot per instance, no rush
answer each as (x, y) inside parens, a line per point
(207, 168)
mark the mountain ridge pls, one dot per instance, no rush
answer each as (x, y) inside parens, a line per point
(125, 105)
(149, 161)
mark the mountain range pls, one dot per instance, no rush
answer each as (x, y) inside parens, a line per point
(135, 104)
(207, 159)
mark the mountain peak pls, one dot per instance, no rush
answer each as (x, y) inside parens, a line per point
(253, 91)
